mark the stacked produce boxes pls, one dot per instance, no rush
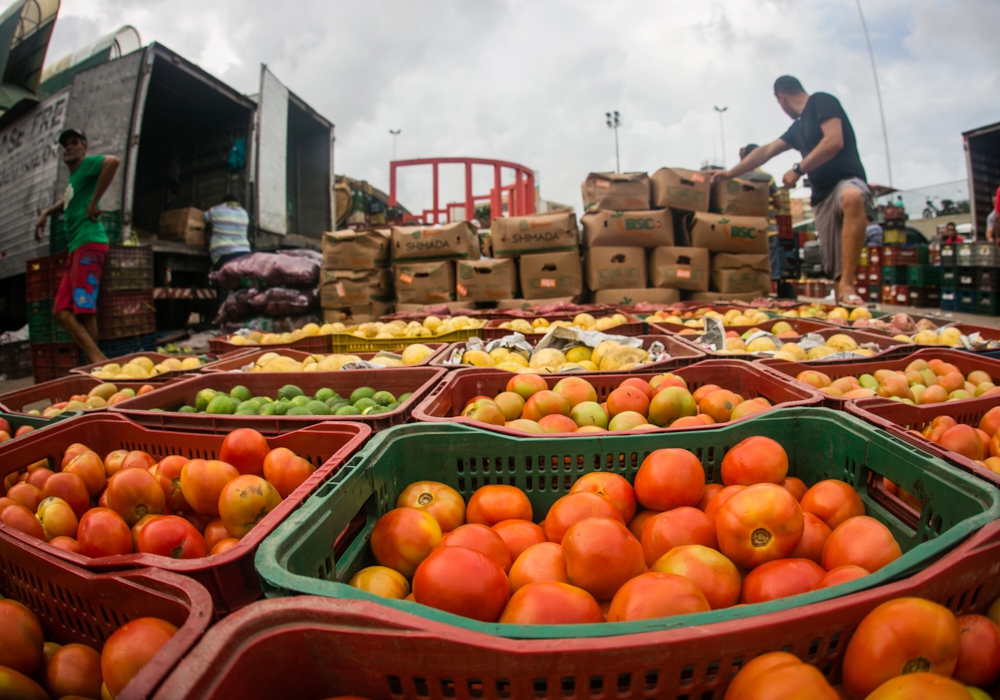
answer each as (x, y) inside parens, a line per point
(53, 352)
(126, 314)
(356, 281)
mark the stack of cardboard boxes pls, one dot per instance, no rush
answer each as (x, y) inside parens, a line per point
(356, 281)
(426, 261)
(542, 252)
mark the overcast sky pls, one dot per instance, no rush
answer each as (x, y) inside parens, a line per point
(530, 82)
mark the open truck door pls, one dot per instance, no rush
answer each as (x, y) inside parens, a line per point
(293, 169)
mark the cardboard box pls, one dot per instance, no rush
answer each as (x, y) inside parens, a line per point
(528, 304)
(721, 233)
(736, 274)
(740, 197)
(551, 275)
(631, 297)
(446, 242)
(455, 307)
(186, 225)
(645, 229)
(679, 268)
(372, 311)
(615, 268)
(616, 191)
(485, 280)
(722, 296)
(538, 233)
(342, 289)
(356, 250)
(426, 282)
(680, 189)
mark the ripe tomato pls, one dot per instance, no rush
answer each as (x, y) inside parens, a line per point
(920, 686)
(613, 487)
(168, 474)
(626, 398)
(27, 495)
(74, 669)
(707, 495)
(756, 460)
(20, 518)
(551, 603)
(862, 541)
(137, 528)
(492, 504)
(244, 502)
(89, 467)
(215, 532)
(754, 669)
(833, 502)
(246, 450)
(172, 536)
(463, 582)
(57, 518)
(787, 682)
(381, 581)
(202, 481)
(759, 524)
(132, 647)
(639, 521)
(38, 477)
(403, 537)
(223, 546)
(656, 594)
(601, 555)
(137, 459)
(794, 486)
(481, 539)
(286, 470)
(71, 452)
(720, 404)
(669, 478)
(66, 544)
(574, 507)
(902, 636)
(540, 562)
(703, 391)
(780, 579)
(675, 528)
(979, 652)
(134, 494)
(22, 638)
(71, 489)
(713, 574)
(842, 574)
(440, 500)
(113, 462)
(814, 536)
(724, 494)
(518, 535)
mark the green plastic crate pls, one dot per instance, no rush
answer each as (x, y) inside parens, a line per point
(18, 420)
(298, 558)
(42, 327)
(894, 275)
(923, 276)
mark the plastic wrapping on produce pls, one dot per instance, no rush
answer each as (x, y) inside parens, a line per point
(292, 268)
(237, 306)
(513, 342)
(561, 338)
(714, 336)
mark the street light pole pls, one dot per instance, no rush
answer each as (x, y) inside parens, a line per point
(394, 133)
(878, 92)
(722, 128)
(614, 121)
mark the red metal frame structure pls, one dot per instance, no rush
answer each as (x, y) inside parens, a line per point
(520, 194)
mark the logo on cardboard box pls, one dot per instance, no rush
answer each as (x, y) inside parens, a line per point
(547, 283)
(641, 224)
(683, 273)
(405, 278)
(339, 287)
(462, 290)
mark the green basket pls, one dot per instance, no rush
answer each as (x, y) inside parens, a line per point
(896, 274)
(923, 276)
(299, 557)
(346, 343)
(18, 420)
(42, 327)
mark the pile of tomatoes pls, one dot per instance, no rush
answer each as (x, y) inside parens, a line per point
(7, 433)
(980, 444)
(610, 550)
(905, 649)
(129, 502)
(31, 667)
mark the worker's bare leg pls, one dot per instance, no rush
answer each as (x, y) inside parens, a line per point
(83, 334)
(852, 238)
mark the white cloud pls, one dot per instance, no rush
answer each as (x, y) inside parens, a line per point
(530, 81)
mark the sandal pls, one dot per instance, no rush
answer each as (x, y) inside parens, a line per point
(851, 300)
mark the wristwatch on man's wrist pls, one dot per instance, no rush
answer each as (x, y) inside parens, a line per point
(797, 169)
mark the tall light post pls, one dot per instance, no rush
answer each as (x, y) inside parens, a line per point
(722, 128)
(614, 121)
(878, 92)
(394, 133)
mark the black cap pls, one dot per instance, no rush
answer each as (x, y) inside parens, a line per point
(72, 132)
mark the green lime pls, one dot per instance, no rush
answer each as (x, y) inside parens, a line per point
(347, 411)
(269, 409)
(248, 408)
(240, 394)
(298, 411)
(362, 404)
(265, 399)
(187, 409)
(364, 392)
(300, 400)
(391, 407)
(280, 407)
(334, 400)
(404, 397)
(221, 404)
(324, 394)
(383, 398)
(289, 391)
(156, 410)
(201, 401)
(317, 408)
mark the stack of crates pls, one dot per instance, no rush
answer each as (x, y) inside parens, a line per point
(53, 352)
(788, 240)
(949, 277)
(126, 314)
(868, 280)
(15, 360)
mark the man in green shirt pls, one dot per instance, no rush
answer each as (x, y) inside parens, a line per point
(75, 305)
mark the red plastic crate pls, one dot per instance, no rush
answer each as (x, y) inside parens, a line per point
(125, 313)
(418, 380)
(237, 363)
(445, 402)
(965, 361)
(43, 276)
(229, 577)
(633, 326)
(681, 354)
(75, 606)
(312, 343)
(311, 647)
(157, 358)
(799, 325)
(900, 419)
(41, 396)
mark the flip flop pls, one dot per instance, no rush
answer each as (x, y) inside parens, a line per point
(851, 300)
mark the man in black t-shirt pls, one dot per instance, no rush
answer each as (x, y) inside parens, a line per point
(823, 134)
